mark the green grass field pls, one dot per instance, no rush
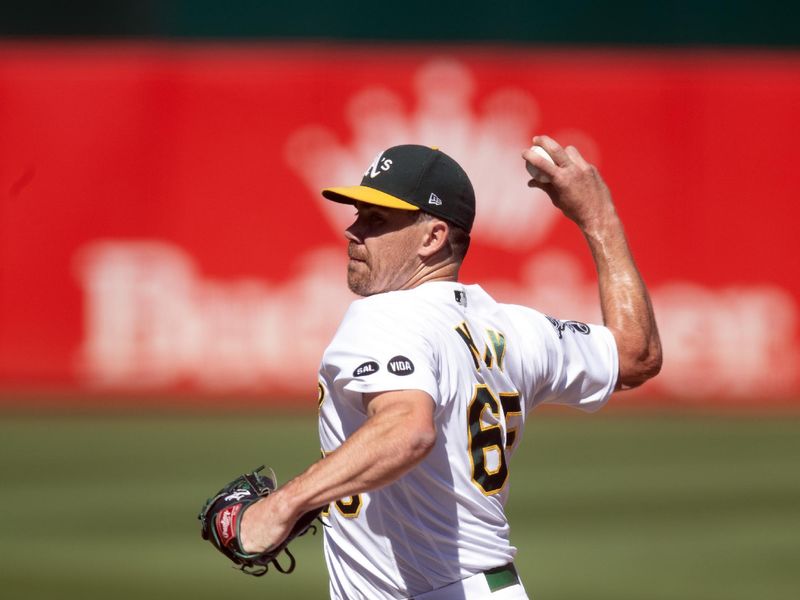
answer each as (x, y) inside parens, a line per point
(602, 507)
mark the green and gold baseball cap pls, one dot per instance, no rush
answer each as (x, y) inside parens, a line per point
(413, 177)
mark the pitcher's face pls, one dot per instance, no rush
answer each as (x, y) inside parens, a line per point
(383, 249)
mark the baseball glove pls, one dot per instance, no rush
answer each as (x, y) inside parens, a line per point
(221, 517)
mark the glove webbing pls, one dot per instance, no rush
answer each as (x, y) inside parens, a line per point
(261, 570)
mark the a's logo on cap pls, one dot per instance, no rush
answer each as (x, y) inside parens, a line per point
(379, 164)
(434, 199)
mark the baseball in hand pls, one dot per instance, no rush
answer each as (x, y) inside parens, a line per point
(533, 171)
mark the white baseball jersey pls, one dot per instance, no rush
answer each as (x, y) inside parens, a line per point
(486, 365)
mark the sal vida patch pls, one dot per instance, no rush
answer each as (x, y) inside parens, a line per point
(400, 365)
(367, 368)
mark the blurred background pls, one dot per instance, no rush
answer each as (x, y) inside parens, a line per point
(169, 274)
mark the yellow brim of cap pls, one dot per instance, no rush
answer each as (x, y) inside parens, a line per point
(362, 193)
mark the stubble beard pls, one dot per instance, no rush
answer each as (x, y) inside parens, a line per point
(357, 282)
(359, 275)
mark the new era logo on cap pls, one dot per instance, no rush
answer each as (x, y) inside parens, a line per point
(403, 176)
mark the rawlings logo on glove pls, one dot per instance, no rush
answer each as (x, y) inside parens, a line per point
(221, 517)
(226, 523)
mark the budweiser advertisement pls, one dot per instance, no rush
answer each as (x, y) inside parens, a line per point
(162, 228)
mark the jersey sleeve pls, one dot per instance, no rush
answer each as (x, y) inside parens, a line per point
(378, 348)
(576, 363)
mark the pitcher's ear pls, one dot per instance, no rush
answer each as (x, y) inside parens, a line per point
(436, 233)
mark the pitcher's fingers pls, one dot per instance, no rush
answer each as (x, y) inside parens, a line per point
(554, 149)
(539, 162)
(576, 157)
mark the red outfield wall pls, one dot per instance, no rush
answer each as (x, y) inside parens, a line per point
(161, 227)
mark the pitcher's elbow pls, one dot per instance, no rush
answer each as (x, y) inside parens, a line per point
(421, 443)
(637, 368)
